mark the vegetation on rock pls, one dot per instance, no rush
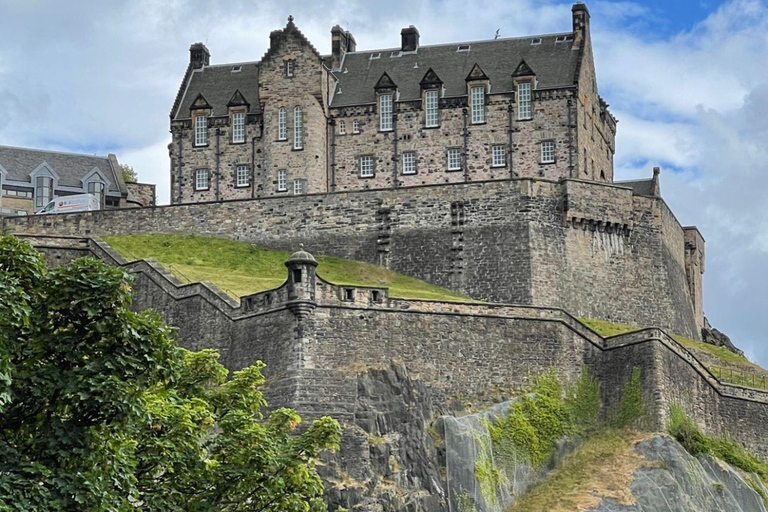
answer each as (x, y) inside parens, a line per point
(101, 411)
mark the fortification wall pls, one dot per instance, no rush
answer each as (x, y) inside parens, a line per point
(593, 249)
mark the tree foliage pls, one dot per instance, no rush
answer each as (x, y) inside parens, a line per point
(129, 173)
(100, 410)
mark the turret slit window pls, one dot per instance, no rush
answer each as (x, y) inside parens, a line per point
(385, 112)
(298, 128)
(366, 166)
(548, 152)
(243, 176)
(238, 127)
(282, 180)
(290, 66)
(409, 162)
(201, 130)
(282, 124)
(202, 179)
(454, 159)
(432, 115)
(524, 100)
(97, 189)
(355, 126)
(478, 104)
(43, 191)
(342, 127)
(499, 155)
(298, 187)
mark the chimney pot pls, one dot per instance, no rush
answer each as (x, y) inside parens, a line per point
(409, 37)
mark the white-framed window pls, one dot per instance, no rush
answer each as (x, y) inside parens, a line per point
(548, 152)
(242, 176)
(298, 128)
(409, 162)
(290, 65)
(499, 155)
(282, 124)
(202, 179)
(478, 104)
(282, 180)
(97, 189)
(43, 191)
(201, 130)
(432, 114)
(454, 159)
(366, 166)
(385, 112)
(355, 126)
(524, 100)
(238, 127)
(342, 127)
(298, 187)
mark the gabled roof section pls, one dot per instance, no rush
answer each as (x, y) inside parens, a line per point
(523, 69)
(430, 80)
(70, 168)
(237, 100)
(290, 29)
(476, 73)
(555, 65)
(385, 82)
(180, 92)
(217, 85)
(200, 102)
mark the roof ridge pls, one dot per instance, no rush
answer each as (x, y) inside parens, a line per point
(226, 64)
(53, 151)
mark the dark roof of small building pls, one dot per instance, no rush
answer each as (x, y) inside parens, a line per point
(218, 84)
(639, 187)
(70, 167)
(554, 63)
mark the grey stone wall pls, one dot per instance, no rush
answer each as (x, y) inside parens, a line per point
(590, 248)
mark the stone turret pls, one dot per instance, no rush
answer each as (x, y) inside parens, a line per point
(301, 282)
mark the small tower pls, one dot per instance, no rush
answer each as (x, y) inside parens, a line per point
(301, 281)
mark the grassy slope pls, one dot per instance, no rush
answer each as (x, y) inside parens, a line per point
(240, 268)
(719, 359)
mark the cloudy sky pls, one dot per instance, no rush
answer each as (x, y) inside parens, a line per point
(687, 79)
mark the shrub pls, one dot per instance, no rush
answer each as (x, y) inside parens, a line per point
(631, 408)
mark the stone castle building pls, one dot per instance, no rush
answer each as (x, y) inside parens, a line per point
(298, 122)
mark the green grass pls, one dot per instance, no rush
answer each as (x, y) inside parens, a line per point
(241, 269)
(607, 329)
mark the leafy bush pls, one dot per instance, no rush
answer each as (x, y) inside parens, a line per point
(631, 408)
(583, 403)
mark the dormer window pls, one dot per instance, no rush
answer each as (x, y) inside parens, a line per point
(385, 112)
(290, 67)
(201, 130)
(478, 104)
(524, 110)
(97, 189)
(43, 191)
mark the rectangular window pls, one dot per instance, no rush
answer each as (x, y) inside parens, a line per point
(548, 152)
(298, 128)
(242, 176)
(342, 127)
(97, 189)
(355, 126)
(478, 105)
(385, 112)
(289, 65)
(238, 127)
(409, 162)
(282, 180)
(499, 152)
(432, 115)
(43, 191)
(201, 179)
(366, 166)
(298, 187)
(282, 124)
(454, 159)
(524, 100)
(201, 131)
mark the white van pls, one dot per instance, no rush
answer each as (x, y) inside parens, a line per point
(76, 203)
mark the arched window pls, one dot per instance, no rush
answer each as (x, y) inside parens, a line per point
(298, 128)
(282, 124)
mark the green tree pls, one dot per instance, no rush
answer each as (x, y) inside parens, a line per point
(100, 410)
(129, 174)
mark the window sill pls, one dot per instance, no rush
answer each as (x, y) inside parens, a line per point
(297, 149)
(454, 170)
(478, 123)
(526, 119)
(281, 140)
(199, 146)
(243, 186)
(202, 189)
(367, 177)
(432, 127)
(499, 166)
(553, 162)
(238, 142)
(410, 173)
(281, 191)
(389, 130)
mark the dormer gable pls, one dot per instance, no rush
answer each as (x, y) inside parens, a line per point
(237, 100)
(430, 80)
(385, 83)
(277, 38)
(476, 74)
(523, 69)
(200, 103)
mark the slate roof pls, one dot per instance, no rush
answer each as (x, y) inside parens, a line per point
(71, 168)
(555, 65)
(217, 84)
(639, 187)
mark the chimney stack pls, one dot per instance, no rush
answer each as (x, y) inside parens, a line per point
(199, 56)
(410, 39)
(342, 42)
(580, 24)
